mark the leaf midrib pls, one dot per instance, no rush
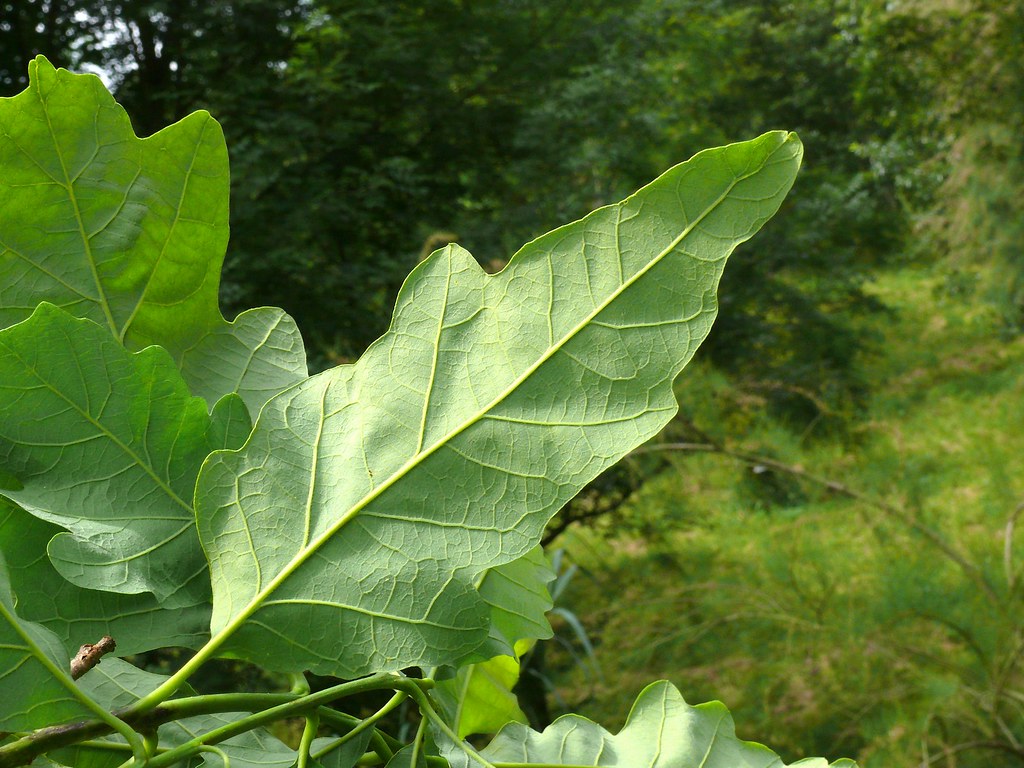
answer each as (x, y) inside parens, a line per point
(170, 234)
(69, 187)
(300, 558)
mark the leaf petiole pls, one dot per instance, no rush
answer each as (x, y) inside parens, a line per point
(292, 708)
(428, 711)
(309, 730)
(417, 743)
(115, 723)
(382, 744)
(35, 743)
(220, 753)
(368, 722)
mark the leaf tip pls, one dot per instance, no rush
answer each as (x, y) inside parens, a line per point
(39, 62)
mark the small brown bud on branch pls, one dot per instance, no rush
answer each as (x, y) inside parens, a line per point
(88, 656)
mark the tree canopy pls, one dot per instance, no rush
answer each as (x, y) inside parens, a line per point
(364, 135)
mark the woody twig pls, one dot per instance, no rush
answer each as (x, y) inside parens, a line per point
(89, 655)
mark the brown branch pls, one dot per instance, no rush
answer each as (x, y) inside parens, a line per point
(949, 751)
(89, 655)
(781, 386)
(599, 498)
(566, 521)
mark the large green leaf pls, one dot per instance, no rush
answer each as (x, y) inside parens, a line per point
(370, 498)
(477, 697)
(518, 595)
(662, 731)
(130, 233)
(78, 616)
(34, 678)
(108, 444)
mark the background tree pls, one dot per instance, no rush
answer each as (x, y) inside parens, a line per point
(361, 131)
(28, 27)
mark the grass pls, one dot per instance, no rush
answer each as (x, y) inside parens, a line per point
(827, 625)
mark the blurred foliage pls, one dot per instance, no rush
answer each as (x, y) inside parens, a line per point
(978, 222)
(878, 611)
(30, 27)
(359, 131)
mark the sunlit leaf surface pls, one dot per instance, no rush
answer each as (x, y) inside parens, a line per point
(370, 498)
(130, 233)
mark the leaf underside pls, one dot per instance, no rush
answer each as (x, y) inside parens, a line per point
(662, 731)
(37, 690)
(390, 509)
(369, 498)
(517, 593)
(78, 616)
(107, 444)
(131, 234)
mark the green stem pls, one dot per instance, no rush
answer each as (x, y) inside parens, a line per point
(30, 745)
(308, 734)
(220, 753)
(293, 708)
(417, 743)
(212, 703)
(300, 684)
(380, 743)
(371, 759)
(40, 656)
(368, 722)
(428, 711)
(168, 688)
(110, 746)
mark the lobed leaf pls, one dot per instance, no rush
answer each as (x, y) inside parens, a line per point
(369, 499)
(662, 731)
(107, 444)
(77, 616)
(130, 233)
(517, 593)
(479, 698)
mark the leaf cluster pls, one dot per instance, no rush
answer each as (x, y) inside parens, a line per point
(362, 134)
(172, 478)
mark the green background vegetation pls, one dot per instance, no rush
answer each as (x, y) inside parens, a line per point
(831, 550)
